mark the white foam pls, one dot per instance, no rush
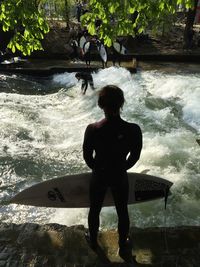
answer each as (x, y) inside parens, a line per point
(185, 88)
(66, 79)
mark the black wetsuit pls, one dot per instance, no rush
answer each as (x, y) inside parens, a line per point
(115, 56)
(110, 148)
(86, 78)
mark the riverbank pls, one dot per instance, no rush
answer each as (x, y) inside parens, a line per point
(58, 56)
(54, 245)
(152, 46)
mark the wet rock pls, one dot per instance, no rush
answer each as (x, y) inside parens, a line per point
(54, 245)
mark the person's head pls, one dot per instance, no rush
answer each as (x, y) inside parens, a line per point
(111, 100)
(78, 75)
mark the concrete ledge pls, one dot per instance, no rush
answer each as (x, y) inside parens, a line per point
(54, 70)
(176, 56)
(51, 71)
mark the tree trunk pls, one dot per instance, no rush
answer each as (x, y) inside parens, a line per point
(67, 14)
(188, 31)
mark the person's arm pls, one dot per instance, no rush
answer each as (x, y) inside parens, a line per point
(136, 148)
(88, 147)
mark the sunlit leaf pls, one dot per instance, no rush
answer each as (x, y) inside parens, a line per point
(91, 29)
(13, 49)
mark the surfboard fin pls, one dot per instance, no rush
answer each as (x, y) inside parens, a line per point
(145, 171)
(167, 193)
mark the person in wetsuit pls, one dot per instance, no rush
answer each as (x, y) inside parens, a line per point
(111, 146)
(86, 78)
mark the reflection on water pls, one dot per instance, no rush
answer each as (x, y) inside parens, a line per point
(41, 132)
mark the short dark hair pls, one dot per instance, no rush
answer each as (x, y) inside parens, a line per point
(111, 97)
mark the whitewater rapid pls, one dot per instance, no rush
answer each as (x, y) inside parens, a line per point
(41, 132)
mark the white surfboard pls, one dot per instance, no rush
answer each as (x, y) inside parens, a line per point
(72, 191)
(86, 47)
(74, 42)
(119, 48)
(82, 41)
(102, 52)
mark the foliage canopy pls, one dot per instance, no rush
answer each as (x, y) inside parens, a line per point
(118, 17)
(27, 23)
(124, 17)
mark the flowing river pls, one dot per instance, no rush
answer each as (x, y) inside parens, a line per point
(43, 120)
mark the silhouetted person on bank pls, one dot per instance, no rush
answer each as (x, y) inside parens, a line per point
(75, 54)
(79, 11)
(86, 78)
(99, 44)
(115, 56)
(87, 53)
(111, 146)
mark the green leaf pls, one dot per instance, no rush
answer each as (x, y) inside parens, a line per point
(131, 10)
(162, 5)
(41, 21)
(13, 49)
(5, 28)
(45, 28)
(18, 46)
(26, 33)
(3, 7)
(108, 41)
(112, 9)
(91, 29)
